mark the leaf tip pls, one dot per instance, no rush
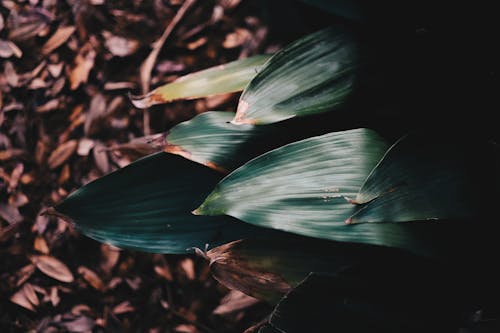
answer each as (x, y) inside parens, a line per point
(145, 101)
(51, 211)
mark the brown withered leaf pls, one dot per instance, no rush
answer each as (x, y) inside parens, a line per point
(9, 49)
(40, 245)
(18, 199)
(197, 43)
(120, 46)
(101, 158)
(84, 146)
(27, 24)
(164, 272)
(30, 294)
(51, 105)
(10, 74)
(97, 110)
(54, 296)
(57, 39)
(15, 176)
(234, 301)
(186, 328)
(236, 38)
(84, 62)
(53, 268)
(91, 277)
(109, 257)
(62, 153)
(10, 213)
(21, 299)
(123, 307)
(78, 324)
(187, 266)
(55, 69)
(119, 85)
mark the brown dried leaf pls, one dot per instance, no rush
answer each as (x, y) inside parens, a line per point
(236, 38)
(183, 328)
(97, 110)
(91, 277)
(10, 74)
(20, 298)
(119, 85)
(101, 158)
(49, 106)
(54, 296)
(52, 267)
(14, 177)
(120, 46)
(10, 213)
(30, 294)
(84, 62)
(18, 199)
(164, 272)
(64, 175)
(41, 245)
(109, 258)
(27, 24)
(123, 307)
(41, 222)
(56, 87)
(58, 38)
(84, 146)
(234, 301)
(62, 153)
(197, 43)
(24, 274)
(79, 324)
(187, 265)
(9, 49)
(55, 69)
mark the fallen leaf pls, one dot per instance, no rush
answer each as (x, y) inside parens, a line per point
(49, 106)
(91, 277)
(62, 153)
(24, 274)
(97, 110)
(119, 85)
(109, 257)
(55, 69)
(183, 328)
(18, 199)
(10, 213)
(20, 298)
(197, 43)
(41, 245)
(54, 296)
(53, 268)
(123, 307)
(84, 146)
(9, 49)
(236, 38)
(101, 158)
(10, 74)
(30, 294)
(14, 177)
(187, 265)
(79, 324)
(164, 272)
(58, 38)
(234, 301)
(84, 62)
(64, 175)
(29, 23)
(120, 46)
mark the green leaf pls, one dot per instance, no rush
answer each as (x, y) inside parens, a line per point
(230, 77)
(267, 268)
(427, 177)
(305, 188)
(312, 75)
(147, 204)
(210, 139)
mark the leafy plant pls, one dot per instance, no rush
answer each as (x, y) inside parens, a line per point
(352, 207)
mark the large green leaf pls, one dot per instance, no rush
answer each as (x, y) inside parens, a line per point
(306, 187)
(147, 206)
(312, 75)
(230, 77)
(427, 177)
(267, 268)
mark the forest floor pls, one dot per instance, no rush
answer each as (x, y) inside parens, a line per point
(66, 68)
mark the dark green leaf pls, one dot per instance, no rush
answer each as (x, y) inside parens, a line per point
(305, 188)
(147, 206)
(424, 177)
(230, 77)
(312, 75)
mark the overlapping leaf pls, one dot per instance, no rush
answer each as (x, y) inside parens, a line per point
(427, 177)
(267, 268)
(312, 75)
(147, 205)
(230, 77)
(305, 188)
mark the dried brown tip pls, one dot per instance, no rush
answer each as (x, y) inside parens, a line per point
(145, 101)
(51, 211)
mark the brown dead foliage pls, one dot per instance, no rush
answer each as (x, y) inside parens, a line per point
(65, 120)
